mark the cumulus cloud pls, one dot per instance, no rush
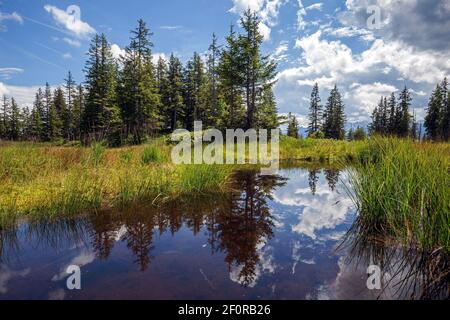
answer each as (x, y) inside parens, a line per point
(70, 19)
(117, 51)
(421, 24)
(157, 55)
(268, 10)
(383, 67)
(22, 94)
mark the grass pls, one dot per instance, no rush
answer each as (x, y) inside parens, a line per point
(402, 190)
(38, 180)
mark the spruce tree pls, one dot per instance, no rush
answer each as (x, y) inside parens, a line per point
(231, 79)
(258, 70)
(212, 92)
(403, 116)
(15, 121)
(315, 111)
(293, 127)
(445, 112)
(433, 116)
(334, 117)
(194, 92)
(173, 94)
(77, 111)
(37, 115)
(139, 95)
(70, 90)
(61, 120)
(267, 114)
(5, 115)
(101, 115)
(392, 120)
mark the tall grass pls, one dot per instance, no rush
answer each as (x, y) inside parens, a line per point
(47, 181)
(402, 189)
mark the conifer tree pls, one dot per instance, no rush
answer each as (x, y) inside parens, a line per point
(101, 115)
(5, 115)
(138, 91)
(433, 116)
(61, 120)
(231, 79)
(315, 111)
(392, 120)
(258, 70)
(334, 117)
(445, 111)
(212, 77)
(70, 90)
(195, 92)
(293, 127)
(173, 94)
(403, 115)
(267, 114)
(15, 121)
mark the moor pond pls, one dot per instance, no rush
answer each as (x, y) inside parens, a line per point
(273, 237)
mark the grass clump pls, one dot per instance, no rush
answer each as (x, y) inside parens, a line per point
(401, 189)
(152, 154)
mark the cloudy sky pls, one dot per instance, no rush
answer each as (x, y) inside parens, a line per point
(329, 42)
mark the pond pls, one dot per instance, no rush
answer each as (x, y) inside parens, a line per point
(272, 237)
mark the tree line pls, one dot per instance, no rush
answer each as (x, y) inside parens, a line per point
(324, 122)
(391, 117)
(127, 100)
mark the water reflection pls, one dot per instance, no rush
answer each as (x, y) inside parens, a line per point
(270, 237)
(407, 273)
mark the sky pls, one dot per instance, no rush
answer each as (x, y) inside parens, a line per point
(368, 48)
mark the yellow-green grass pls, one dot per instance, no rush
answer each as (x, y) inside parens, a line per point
(41, 180)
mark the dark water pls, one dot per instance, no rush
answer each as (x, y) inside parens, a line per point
(273, 237)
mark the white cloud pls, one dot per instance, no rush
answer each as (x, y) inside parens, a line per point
(171, 28)
(301, 14)
(72, 42)
(315, 6)
(117, 51)
(376, 70)
(8, 73)
(280, 52)
(67, 55)
(268, 11)
(23, 95)
(157, 55)
(367, 96)
(11, 17)
(70, 20)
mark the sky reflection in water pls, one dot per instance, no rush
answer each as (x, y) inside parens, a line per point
(274, 237)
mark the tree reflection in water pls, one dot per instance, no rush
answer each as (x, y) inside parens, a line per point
(236, 223)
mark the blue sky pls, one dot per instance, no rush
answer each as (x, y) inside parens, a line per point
(313, 40)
